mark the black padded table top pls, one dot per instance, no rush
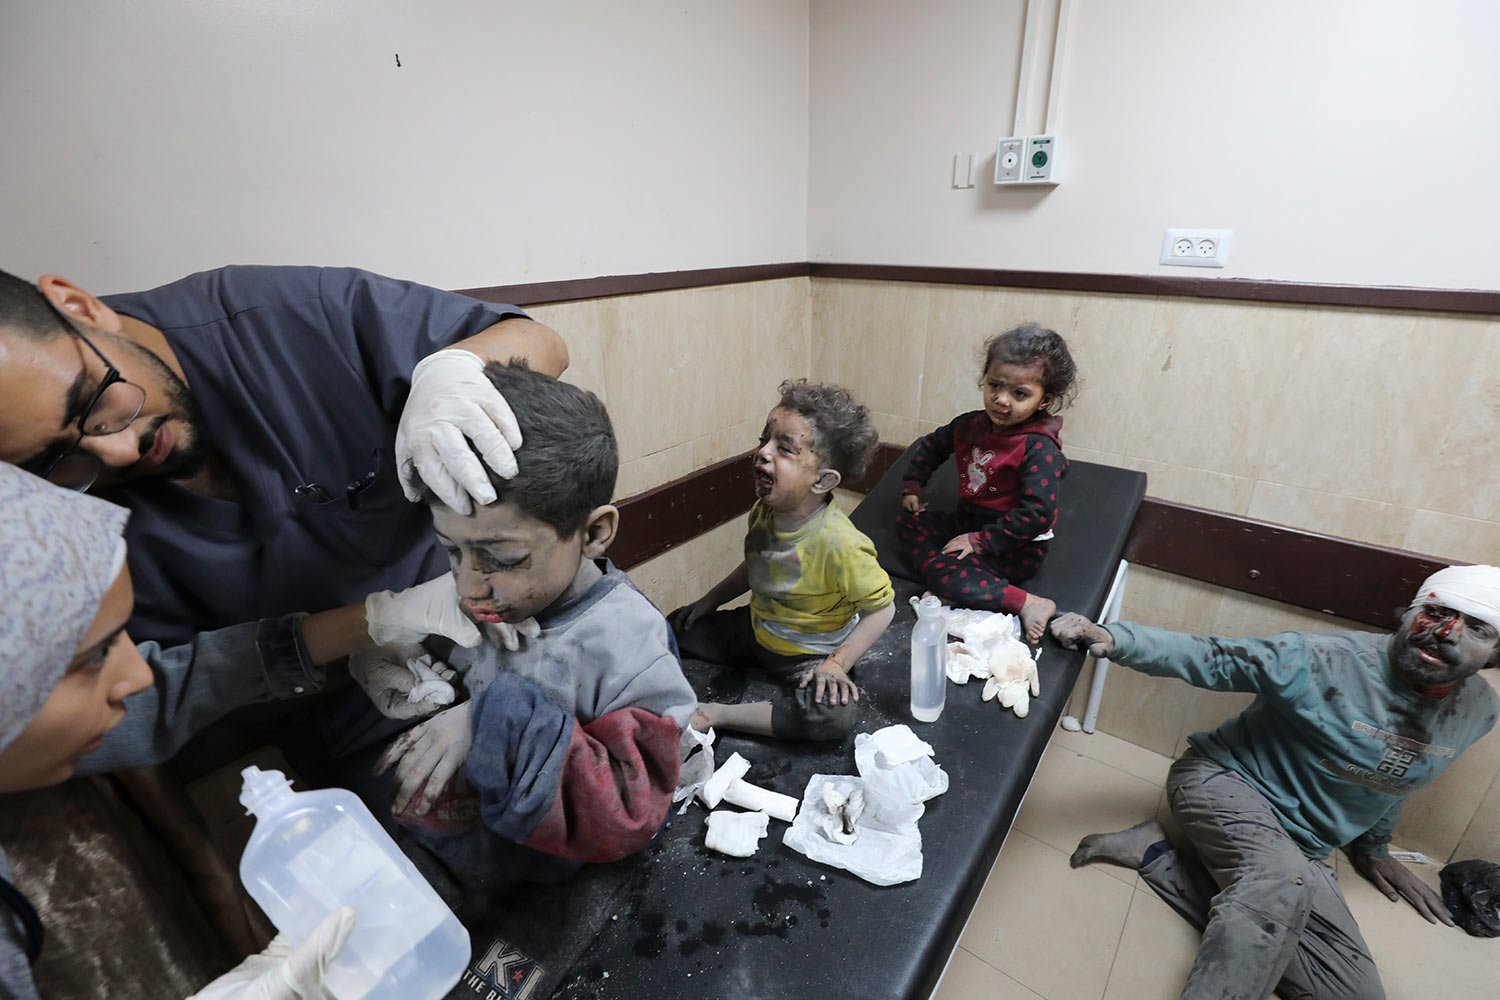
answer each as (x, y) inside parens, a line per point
(688, 922)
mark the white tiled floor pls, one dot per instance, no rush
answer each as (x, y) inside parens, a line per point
(1044, 931)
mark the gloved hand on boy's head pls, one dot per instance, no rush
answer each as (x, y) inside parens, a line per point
(452, 412)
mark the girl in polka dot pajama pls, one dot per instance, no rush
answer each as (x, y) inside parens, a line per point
(1009, 462)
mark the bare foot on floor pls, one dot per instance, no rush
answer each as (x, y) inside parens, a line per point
(1035, 614)
(1126, 848)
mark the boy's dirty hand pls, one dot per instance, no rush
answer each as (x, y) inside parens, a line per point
(687, 616)
(427, 757)
(1077, 632)
(961, 546)
(912, 503)
(829, 676)
(402, 680)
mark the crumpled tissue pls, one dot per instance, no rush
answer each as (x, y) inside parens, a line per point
(736, 834)
(896, 775)
(898, 768)
(979, 628)
(432, 681)
(697, 755)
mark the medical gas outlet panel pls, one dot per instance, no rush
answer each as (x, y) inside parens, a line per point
(1027, 159)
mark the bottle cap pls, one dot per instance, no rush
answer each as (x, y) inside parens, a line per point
(262, 788)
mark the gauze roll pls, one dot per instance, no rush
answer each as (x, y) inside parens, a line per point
(59, 552)
(1471, 590)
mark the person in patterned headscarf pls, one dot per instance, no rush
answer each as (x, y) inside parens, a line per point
(68, 672)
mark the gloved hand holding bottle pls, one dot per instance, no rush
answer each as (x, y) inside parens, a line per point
(283, 972)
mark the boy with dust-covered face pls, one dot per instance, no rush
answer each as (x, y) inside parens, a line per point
(818, 596)
(568, 741)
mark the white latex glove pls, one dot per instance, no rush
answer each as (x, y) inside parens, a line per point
(403, 681)
(451, 403)
(509, 636)
(282, 972)
(411, 615)
(1013, 677)
(427, 757)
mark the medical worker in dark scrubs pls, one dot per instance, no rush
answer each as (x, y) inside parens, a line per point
(254, 421)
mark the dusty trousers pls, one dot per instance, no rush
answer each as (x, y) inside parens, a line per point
(1272, 918)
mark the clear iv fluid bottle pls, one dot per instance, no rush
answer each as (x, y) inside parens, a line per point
(929, 660)
(313, 852)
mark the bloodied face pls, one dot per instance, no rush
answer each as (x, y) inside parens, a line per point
(509, 566)
(1436, 647)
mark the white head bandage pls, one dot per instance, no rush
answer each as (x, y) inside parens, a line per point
(1471, 590)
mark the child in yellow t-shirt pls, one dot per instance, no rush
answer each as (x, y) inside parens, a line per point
(818, 597)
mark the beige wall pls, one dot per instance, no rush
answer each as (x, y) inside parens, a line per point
(1281, 120)
(516, 141)
(1378, 426)
(688, 377)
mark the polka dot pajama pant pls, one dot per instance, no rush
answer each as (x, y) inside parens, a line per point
(981, 581)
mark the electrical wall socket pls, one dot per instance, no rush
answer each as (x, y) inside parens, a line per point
(1008, 153)
(1040, 165)
(1196, 247)
(1027, 159)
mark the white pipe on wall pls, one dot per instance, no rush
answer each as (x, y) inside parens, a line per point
(1059, 57)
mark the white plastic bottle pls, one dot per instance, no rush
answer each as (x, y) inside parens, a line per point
(312, 852)
(929, 660)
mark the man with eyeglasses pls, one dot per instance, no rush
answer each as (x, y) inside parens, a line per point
(254, 420)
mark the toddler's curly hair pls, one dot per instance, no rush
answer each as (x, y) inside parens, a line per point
(844, 438)
(1034, 344)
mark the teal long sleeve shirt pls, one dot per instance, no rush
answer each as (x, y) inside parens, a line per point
(1333, 740)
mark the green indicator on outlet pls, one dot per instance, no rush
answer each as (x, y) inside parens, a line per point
(1039, 158)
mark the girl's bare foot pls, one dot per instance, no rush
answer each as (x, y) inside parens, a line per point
(1035, 614)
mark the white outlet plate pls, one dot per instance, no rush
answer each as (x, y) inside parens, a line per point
(1196, 247)
(1008, 153)
(963, 170)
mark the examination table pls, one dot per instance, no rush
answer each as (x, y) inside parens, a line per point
(679, 920)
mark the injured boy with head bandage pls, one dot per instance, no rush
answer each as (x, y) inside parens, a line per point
(559, 731)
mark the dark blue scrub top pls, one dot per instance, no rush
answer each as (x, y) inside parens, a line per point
(300, 374)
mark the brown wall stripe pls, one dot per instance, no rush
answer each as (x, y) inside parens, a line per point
(1360, 296)
(1336, 576)
(679, 511)
(549, 292)
(1456, 300)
